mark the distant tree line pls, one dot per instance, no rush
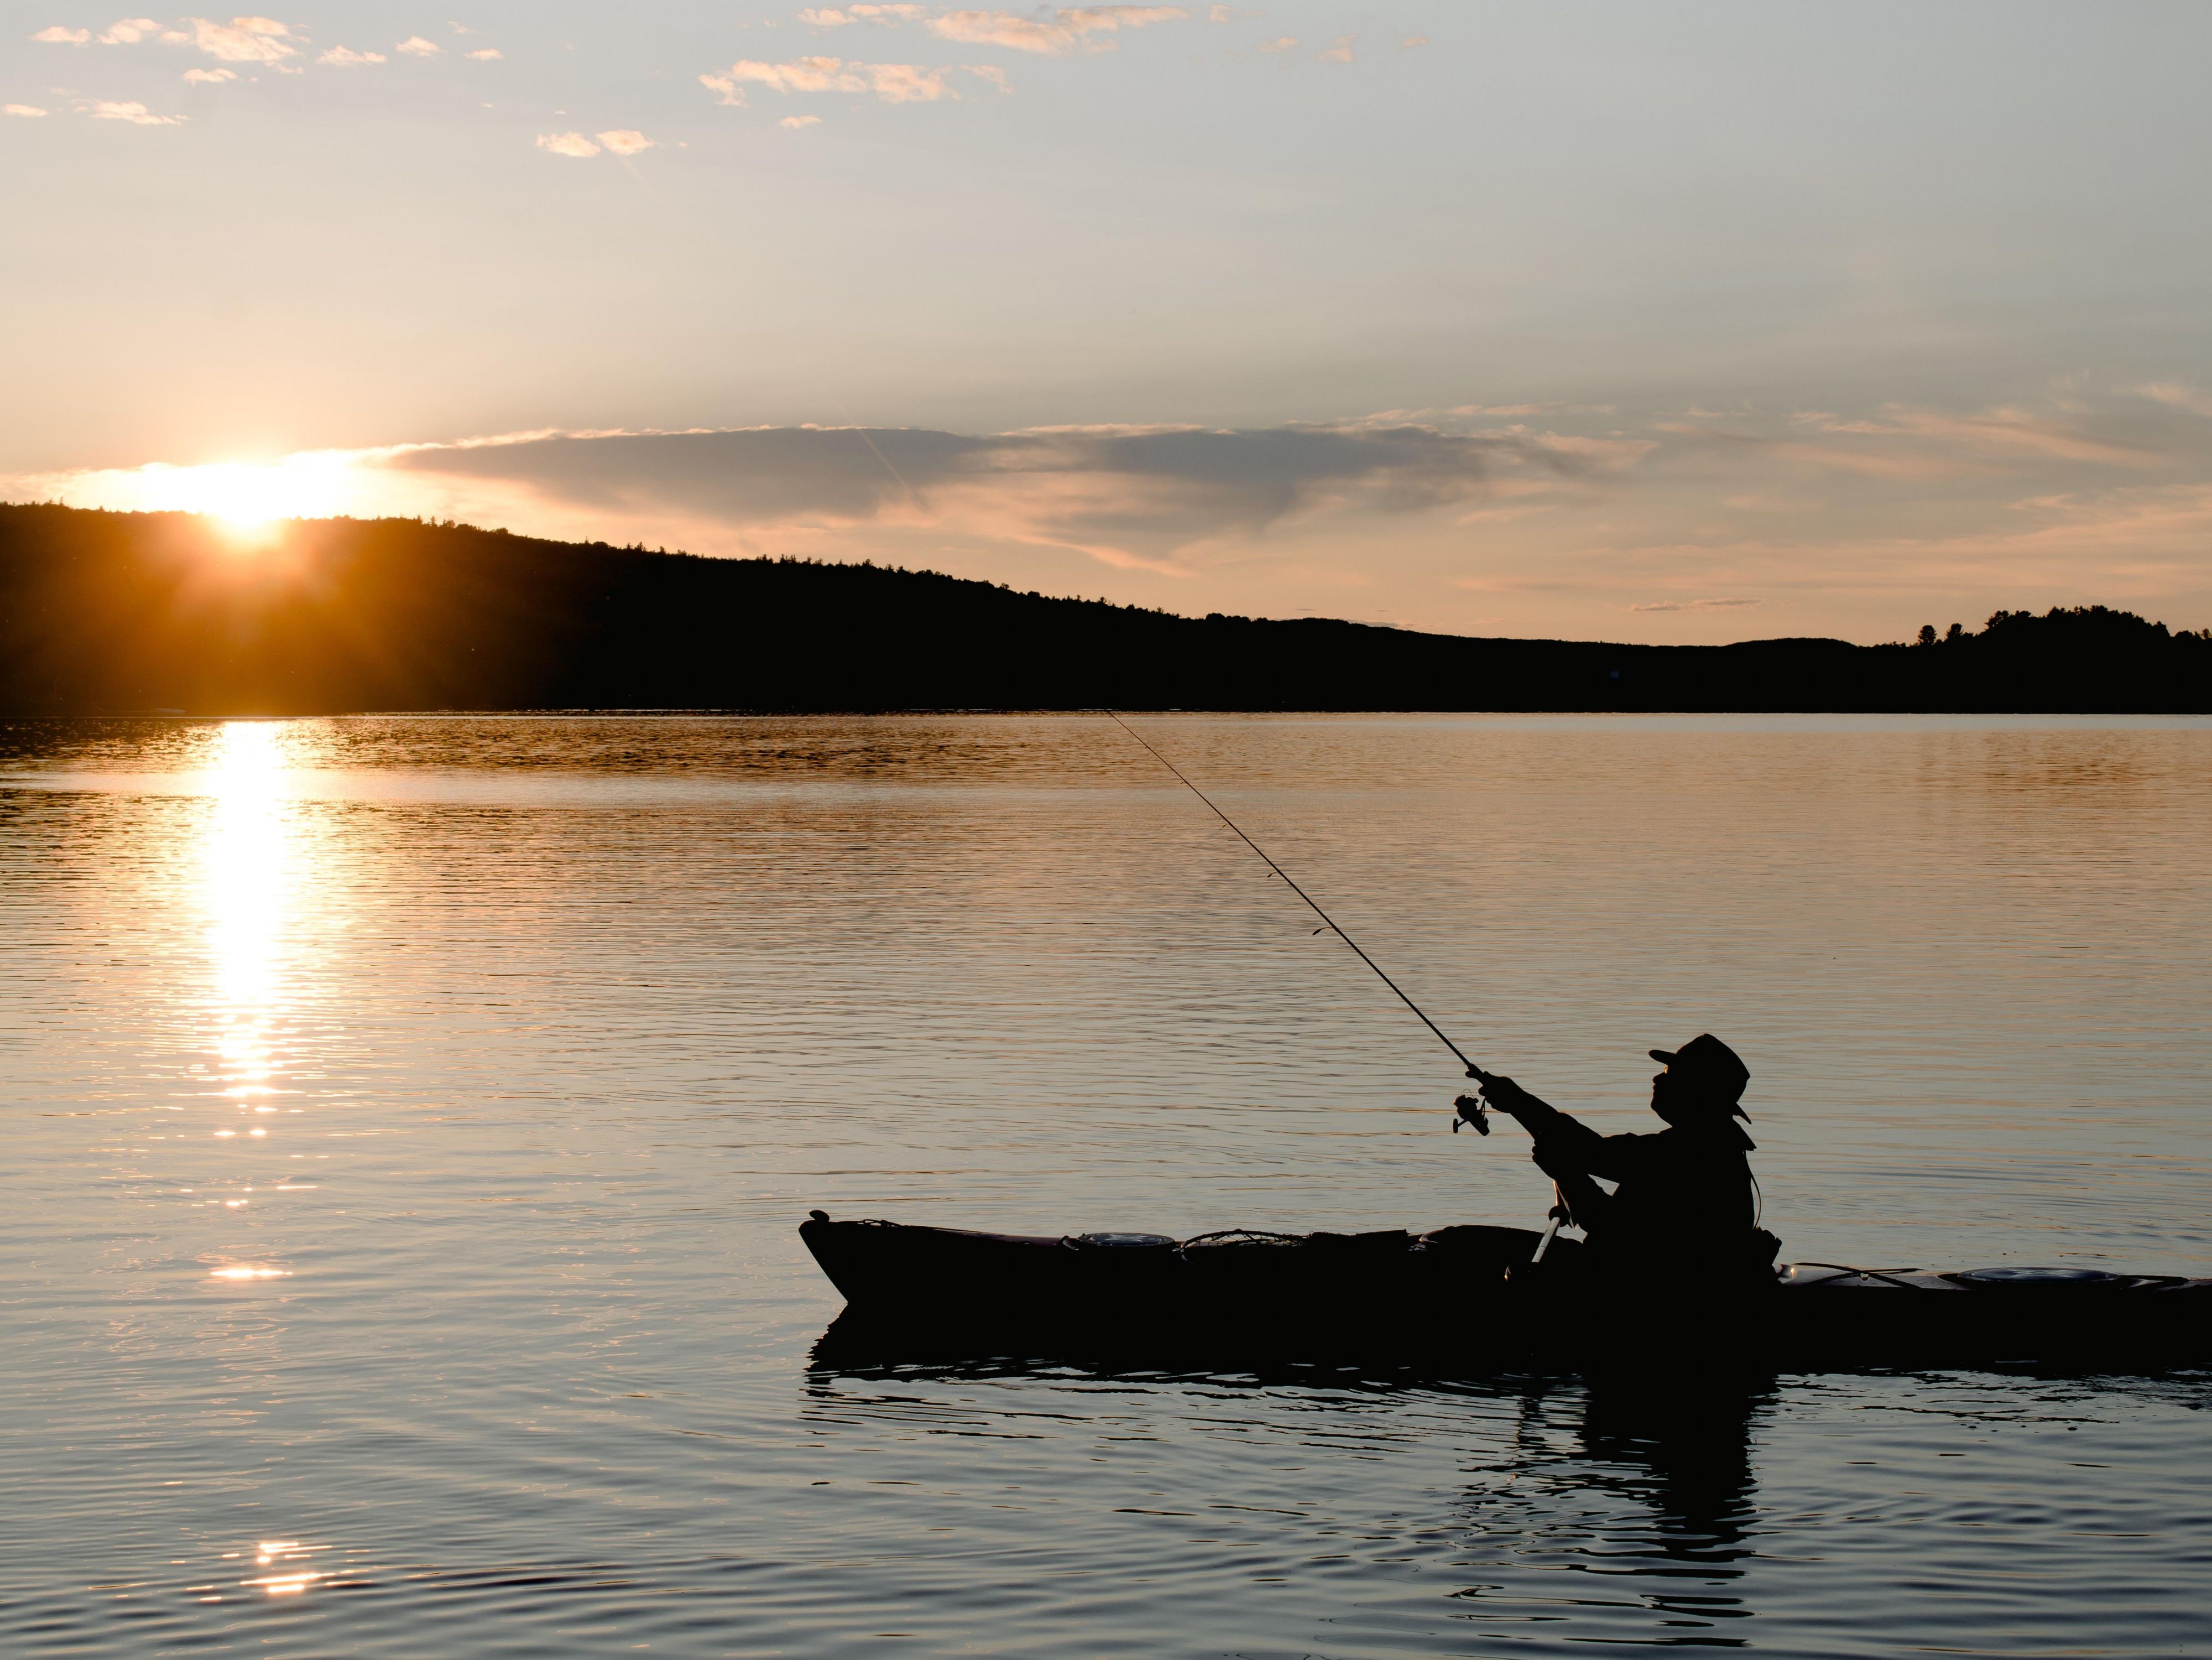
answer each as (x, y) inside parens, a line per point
(2080, 624)
(116, 612)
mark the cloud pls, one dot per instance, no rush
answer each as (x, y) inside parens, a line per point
(992, 73)
(1069, 28)
(1338, 54)
(795, 122)
(416, 46)
(210, 77)
(908, 83)
(486, 54)
(1694, 604)
(883, 16)
(128, 31)
(1904, 444)
(1996, 432)
(58, 36)
(28, 112)
(1407, 43)
(1131, 497)
(1280, 43)
(895, 84)
(1227, 14)
(620, 140)
(2175, 395)
(804, 74)
(100, 109)
(244, 39)
(347, 58)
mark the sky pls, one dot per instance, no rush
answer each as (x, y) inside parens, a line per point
(1670, 323)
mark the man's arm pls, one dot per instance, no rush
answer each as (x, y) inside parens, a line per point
(1566, 1150)
(1573, 1140)
(1568, 1142)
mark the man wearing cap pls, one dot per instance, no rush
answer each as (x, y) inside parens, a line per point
(1683, 1198)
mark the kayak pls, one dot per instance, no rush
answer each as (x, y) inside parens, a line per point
(1472, 1296)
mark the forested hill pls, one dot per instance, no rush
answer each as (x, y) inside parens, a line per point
(106, 612)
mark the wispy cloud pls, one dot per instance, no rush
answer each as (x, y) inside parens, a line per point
(416, 46)
(2175, 394)
(347, 58)
(128, 31)
(486, 54)
(894, 83)
(795, 122)
(618, 141)
(802, 74)
(1069, 28)
(1338, 54)
(838, 17)
(27, 112)
(1694, 604)
(58, 36)
(1904, 443)
(1280, 43)
(1997, 431)
(908, 83)
(101, 109)
(244, 39)
(210, 77)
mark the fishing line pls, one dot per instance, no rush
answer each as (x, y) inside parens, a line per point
(1473, 1071)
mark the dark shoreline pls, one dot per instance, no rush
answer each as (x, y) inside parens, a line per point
(145, 614)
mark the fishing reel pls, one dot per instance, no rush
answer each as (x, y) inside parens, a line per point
(1472, 1111)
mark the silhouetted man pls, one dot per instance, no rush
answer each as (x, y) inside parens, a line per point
(1684, 1198)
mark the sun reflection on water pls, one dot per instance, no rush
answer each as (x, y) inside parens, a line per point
(288, 1581)
(247, 875)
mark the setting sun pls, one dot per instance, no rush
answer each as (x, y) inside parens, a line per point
(250, 495)
(247, 496)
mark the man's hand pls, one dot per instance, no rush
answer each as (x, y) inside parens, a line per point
(1503, 1094)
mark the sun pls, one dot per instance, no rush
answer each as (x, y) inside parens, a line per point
(248, 499)
(245, 495)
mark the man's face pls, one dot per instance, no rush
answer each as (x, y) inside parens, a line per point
(1668, 1095)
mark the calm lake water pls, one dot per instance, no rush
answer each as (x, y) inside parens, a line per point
(409, 1120)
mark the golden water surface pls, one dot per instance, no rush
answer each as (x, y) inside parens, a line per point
(409, 1119)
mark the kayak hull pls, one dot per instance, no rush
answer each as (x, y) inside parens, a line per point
(1466, 1298)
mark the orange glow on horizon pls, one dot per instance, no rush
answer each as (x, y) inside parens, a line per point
(248, 499)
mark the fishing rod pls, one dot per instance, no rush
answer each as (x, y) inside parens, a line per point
(1476, 1118)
